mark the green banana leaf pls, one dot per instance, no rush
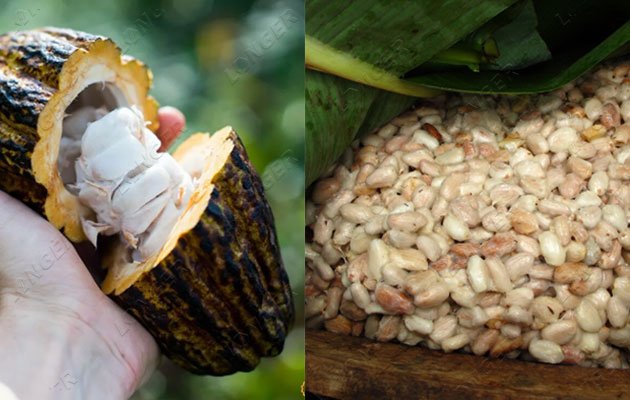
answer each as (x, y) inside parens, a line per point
(580, 37)
(389, 40)
(542, 77)
(368, 61)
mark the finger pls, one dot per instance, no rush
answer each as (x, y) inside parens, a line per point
(172, 123)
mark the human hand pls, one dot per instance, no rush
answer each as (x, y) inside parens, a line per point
(60, 336)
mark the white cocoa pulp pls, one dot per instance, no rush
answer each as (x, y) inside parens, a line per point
(126, 185)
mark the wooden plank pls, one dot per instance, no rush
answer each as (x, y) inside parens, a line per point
(345, 367)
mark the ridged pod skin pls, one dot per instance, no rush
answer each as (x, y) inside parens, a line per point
(220, 300)
(27, 82)
(222, 296)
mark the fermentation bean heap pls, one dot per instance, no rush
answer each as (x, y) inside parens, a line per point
(489, 224)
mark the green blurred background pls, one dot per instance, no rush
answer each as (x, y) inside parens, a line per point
(238, 63)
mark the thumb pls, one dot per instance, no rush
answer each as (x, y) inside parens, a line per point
(172, 123)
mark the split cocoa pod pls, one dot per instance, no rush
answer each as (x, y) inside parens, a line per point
(188, 241)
